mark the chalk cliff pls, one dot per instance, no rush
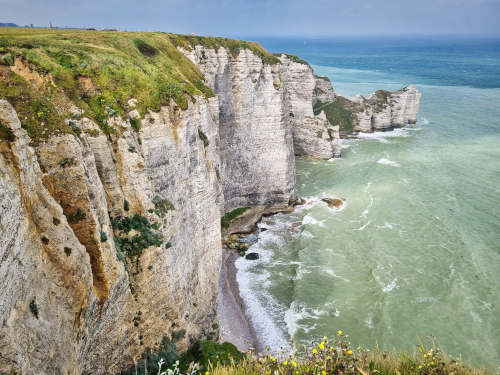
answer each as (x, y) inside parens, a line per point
(383, 110)
(110, 222)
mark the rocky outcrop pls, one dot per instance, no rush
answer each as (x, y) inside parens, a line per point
(383, 110)
(323, 91)
(313, 135)
(266, 116)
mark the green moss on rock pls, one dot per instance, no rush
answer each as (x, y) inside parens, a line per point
(338, 112)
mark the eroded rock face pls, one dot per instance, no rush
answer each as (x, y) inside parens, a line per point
(312, 135)
(68, 304)
(256, 147)
(383, 110)
(265, 117)
(323, 91)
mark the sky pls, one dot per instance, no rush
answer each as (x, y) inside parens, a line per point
(264, 17)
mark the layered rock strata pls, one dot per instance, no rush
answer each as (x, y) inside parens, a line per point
(382, 111)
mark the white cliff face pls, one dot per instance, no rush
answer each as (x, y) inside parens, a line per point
(405, 105)
(266, 117)
(312, 135)
(383, 110)
(256, 148)
(323, 91)
(86, 301)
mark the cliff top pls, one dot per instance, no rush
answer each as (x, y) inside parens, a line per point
(44, 71)
(233, 45)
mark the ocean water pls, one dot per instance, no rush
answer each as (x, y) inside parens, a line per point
(416, 249)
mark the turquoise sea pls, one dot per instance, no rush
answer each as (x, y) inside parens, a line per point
(416, 249)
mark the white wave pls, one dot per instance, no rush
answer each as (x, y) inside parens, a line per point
(385, 226)
(363, 226)
(369, 322)
(382, 136)
(333, 274)
(390, 286)
(425, 121)
(268, 332)
(386, 161)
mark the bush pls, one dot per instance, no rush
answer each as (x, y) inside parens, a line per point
(34, 308)
(76, 216)
(226, 220)
(149, 362)
(162, 206)
(104, 236)
(136, 124)
(133, 247)
(203, 137)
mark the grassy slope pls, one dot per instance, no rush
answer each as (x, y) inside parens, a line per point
(337, 112)
(339, 357)
(120, 65)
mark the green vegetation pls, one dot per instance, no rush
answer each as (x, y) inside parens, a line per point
(143, 238)
(203, 137)
(104, 236)
(76, 216)
(338, 357)
(337, 112)
(97, 70)
(64, 162)
(136, 124)
(319, 134)
(380, 100)
(43, 71)
(162, 206)
(126, 205)
(226, 220)
(234, 46)
(34, 308)
(294, 58)
(206, 354)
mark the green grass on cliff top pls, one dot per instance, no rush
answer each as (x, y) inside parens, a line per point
(100, 71)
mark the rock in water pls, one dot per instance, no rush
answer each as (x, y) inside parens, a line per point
(333, 202)
(252, 256)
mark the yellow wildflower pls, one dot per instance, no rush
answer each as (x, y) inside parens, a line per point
(323, 372)
(322, 345)
(419, 366)
(349, 352)
(339, 332)
(331, 348)
(272, 358)
(315, 351)
(294, 364)
(425, 355)
(285, 363)
(296, 372)
(432, 363)
(324, 338)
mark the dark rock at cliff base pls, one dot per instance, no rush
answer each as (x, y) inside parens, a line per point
(333, 202)
(252, 256)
